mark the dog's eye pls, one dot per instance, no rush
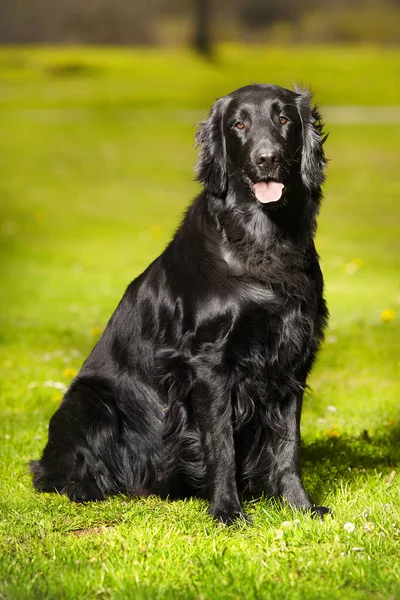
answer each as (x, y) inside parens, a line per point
(283, 120)
(240, 125)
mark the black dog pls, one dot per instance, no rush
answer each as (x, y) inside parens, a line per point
(195, 387)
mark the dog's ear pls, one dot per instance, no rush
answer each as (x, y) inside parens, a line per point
(211, 165)
(313, 160)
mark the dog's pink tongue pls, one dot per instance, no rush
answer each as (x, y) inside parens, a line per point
(269, 191)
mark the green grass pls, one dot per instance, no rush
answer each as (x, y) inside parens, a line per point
(95, 171)
(153, 78)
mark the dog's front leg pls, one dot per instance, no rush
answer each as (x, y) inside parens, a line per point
(212, 406)
(287, 460)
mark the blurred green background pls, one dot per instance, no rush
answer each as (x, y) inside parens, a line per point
(97, 154)
(96, 169)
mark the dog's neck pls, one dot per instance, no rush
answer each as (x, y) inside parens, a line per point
(244, 220)
(255, 242)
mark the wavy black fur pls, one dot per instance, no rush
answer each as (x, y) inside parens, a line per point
(196, 385)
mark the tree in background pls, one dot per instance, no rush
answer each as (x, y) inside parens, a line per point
(198, 22)
(202, 38)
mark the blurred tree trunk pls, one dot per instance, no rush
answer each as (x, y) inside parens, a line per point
(202, 41)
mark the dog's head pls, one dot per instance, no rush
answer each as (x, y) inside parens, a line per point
(262, 139)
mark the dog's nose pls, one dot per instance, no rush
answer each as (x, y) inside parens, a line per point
(268, 160)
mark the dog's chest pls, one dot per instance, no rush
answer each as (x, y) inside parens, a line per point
(279, 323)
(279, 334)
(289, 333)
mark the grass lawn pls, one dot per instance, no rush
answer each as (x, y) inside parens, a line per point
(95, 170)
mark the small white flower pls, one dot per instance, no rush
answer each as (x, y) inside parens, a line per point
(279, 534)
(331, 408)
(351, 268)
(287, 524)
(337, 261)
(331, 339)
(349, 527)
(57, 385)
(296, 522)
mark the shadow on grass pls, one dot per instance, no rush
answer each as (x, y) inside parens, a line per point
(328, 462)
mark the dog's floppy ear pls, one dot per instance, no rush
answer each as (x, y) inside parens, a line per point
(312, 159)
(211, 165)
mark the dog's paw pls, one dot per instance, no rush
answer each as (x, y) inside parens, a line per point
(228, 517)
(318, 512)
(83, 491)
